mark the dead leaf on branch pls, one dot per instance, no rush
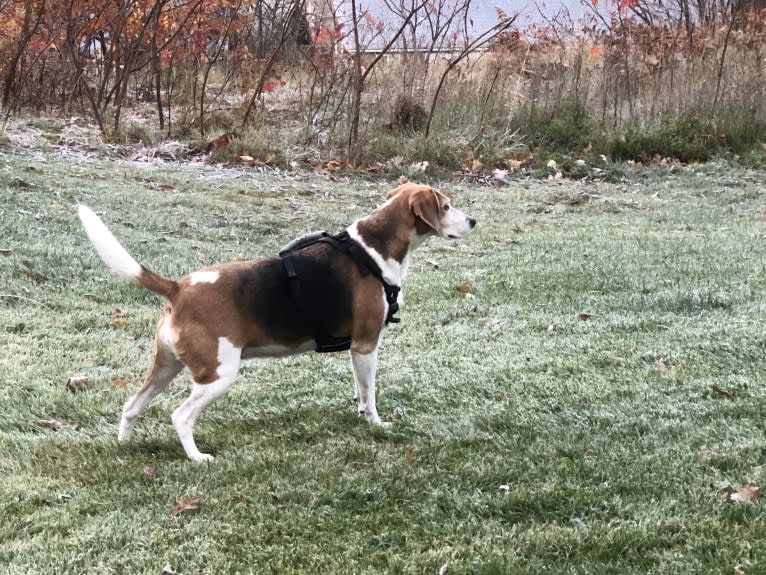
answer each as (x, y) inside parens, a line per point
(745, 494)
(184, 504)
(75, 382)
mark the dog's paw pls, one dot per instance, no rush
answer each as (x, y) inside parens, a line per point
(202, 458)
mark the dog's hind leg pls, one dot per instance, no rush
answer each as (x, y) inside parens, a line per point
(203, 394)
(165, 366)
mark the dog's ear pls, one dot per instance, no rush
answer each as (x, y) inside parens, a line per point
(424, 203)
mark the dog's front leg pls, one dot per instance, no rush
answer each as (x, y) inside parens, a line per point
(365, 366)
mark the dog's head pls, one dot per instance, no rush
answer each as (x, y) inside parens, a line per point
(432, 211)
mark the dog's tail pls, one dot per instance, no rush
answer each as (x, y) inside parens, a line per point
(119, 260)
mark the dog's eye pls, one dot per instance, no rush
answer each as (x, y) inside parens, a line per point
(446, 207)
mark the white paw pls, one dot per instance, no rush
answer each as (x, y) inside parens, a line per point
(201, 458)
(125, 432)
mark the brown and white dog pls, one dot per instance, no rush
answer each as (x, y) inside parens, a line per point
(217, 316)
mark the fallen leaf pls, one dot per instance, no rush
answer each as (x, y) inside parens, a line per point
(403, 180)
(75, 382)
(184, 504)
(247, 158)
(465, 287)
(168, 570)
(660, 364)
(117, 312)
(499, 174)
(150, 472)
(420, 166)
(503, 489)
(6, 252)
(745, 494)
(332, 165)
(444, 569)
(739, 570)
(55, 424)
(588, 453)
(552, 164)
(722, 392)
(34, 276)
(121, 383)
(410, 457)
(583, 315)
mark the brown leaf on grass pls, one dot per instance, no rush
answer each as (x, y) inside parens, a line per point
(117, 312)
(34, 276)
(583, 315)
(745, 494)
(75, 382)
(150, 472)
(120, 323)
(55, 424)
(715, 388)
(465, 287)
(410, 457)
(121, 383)
(184, 504)
(333, 165)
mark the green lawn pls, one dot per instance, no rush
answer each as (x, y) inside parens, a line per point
(618, 456)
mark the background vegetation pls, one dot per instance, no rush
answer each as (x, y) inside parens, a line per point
(297, 82)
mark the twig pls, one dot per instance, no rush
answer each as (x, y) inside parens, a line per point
(25, 299)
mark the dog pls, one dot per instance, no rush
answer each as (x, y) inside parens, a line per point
(323, 293)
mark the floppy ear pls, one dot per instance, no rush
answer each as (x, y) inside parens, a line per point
(425, 205)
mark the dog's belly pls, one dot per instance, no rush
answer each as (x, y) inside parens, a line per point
(276, 350)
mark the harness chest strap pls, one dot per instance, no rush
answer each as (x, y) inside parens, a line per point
(366, 265)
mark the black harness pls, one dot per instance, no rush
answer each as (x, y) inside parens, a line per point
(343, 243)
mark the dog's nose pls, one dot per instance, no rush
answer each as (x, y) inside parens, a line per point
(471, 222)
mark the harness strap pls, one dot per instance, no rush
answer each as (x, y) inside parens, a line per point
(366, 265)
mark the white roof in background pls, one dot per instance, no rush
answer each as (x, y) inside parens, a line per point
(483, 15)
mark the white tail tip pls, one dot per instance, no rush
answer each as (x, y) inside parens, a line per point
(107, 246)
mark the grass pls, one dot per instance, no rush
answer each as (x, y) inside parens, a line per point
(618, 456)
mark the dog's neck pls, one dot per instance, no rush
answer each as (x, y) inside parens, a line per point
(391, 251)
